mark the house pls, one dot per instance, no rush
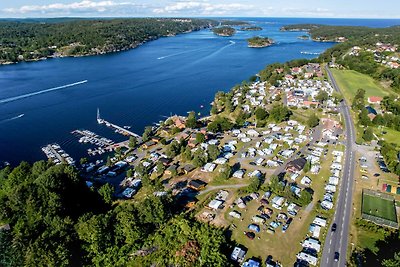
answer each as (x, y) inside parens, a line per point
(239, 174)
(165, 161)
(220, 161)
(179, 122)
(148, 144)
(235, 214)
(296, 165)
(333, 180)
(186, 169)
(197, 184)
(238, 254)
(374, 99)
(171, 170)
(315, 230)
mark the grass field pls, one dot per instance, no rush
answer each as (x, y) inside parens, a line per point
(350, 81)
(391, 136)
(379, 207)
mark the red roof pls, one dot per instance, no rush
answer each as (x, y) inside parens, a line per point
(374, 99)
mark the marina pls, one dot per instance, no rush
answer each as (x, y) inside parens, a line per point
(56, 154)
(88, 137)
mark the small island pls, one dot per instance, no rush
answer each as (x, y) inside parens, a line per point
(233, 23)
(259, 42)
(251, 28)
(304, 37)
(224, 31)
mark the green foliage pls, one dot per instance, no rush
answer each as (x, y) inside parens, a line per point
(390, 153)
(224, 31)
(34, 40)
(225, 172)
(213, 152)
(322, 96)
(307, 167)
(173, 149)
(199, 158)
(261, 114)
(191, 121)
(363, 118)
(220, 124)
(313, 121)
(259, 41)
(395, 262)
(359, 100)
(368, 134)
(200, 138)
(147, 134)
(280, 113)
(106, 192)
(132, 142)
(187, 154)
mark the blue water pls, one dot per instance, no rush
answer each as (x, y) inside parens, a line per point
(139, 87)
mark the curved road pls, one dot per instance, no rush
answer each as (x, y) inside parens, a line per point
(337, 241)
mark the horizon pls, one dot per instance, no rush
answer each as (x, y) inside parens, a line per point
(341, 9)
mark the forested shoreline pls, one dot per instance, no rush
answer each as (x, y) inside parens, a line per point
(35, 40)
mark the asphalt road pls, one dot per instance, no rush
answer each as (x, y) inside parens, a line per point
(338, 241)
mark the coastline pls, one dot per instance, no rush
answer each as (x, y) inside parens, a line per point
(124, 49)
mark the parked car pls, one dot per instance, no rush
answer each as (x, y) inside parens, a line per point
(250, 235)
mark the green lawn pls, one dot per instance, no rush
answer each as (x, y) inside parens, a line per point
(391, 136)
(379, 207)
(350, 81)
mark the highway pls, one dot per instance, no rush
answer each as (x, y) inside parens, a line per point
(337, 241)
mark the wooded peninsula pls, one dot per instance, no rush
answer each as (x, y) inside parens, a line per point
(33, 40)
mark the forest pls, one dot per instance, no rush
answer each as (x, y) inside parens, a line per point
(56, 220)
(35, 39)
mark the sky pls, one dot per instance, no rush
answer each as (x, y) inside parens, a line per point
(201, 8)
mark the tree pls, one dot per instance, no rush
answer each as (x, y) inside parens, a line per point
(254, 185)
(187, 154)
(106, 192)
(200, 138)
(225, 172)
(129, 173)
(160, 168)
(213, 152)
(368, 134)
(305, 197)
(213, 127)
(358, 101)
(199, 158)
(363, 118)
(173, 149)
(83, 161)
(322, 96)
(279, 113)
(307, 166)
(132, 142)
(191, 121)
(395, 262)
(109, 162)
(261, 114)
(337, 97)
(147, 133)
(313, 121)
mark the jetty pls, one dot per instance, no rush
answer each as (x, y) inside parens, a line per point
(118, 129)
(56, 154)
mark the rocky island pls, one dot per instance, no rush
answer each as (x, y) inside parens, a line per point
(259, 42)
(224, 31)
(251, 28)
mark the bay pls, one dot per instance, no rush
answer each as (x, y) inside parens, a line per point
(42, 102)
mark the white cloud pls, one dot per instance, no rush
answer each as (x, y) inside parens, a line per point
(202, 8)
(85, 6)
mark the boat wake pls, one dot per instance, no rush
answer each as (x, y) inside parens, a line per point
(15, 98)
(310, 53)
(13, 118)
(180, 53)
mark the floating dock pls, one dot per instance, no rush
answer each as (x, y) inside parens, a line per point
(87, 137)
(118, 129)
(56, 154)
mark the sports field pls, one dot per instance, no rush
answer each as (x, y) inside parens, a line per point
(379, 207)
(350, 81)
